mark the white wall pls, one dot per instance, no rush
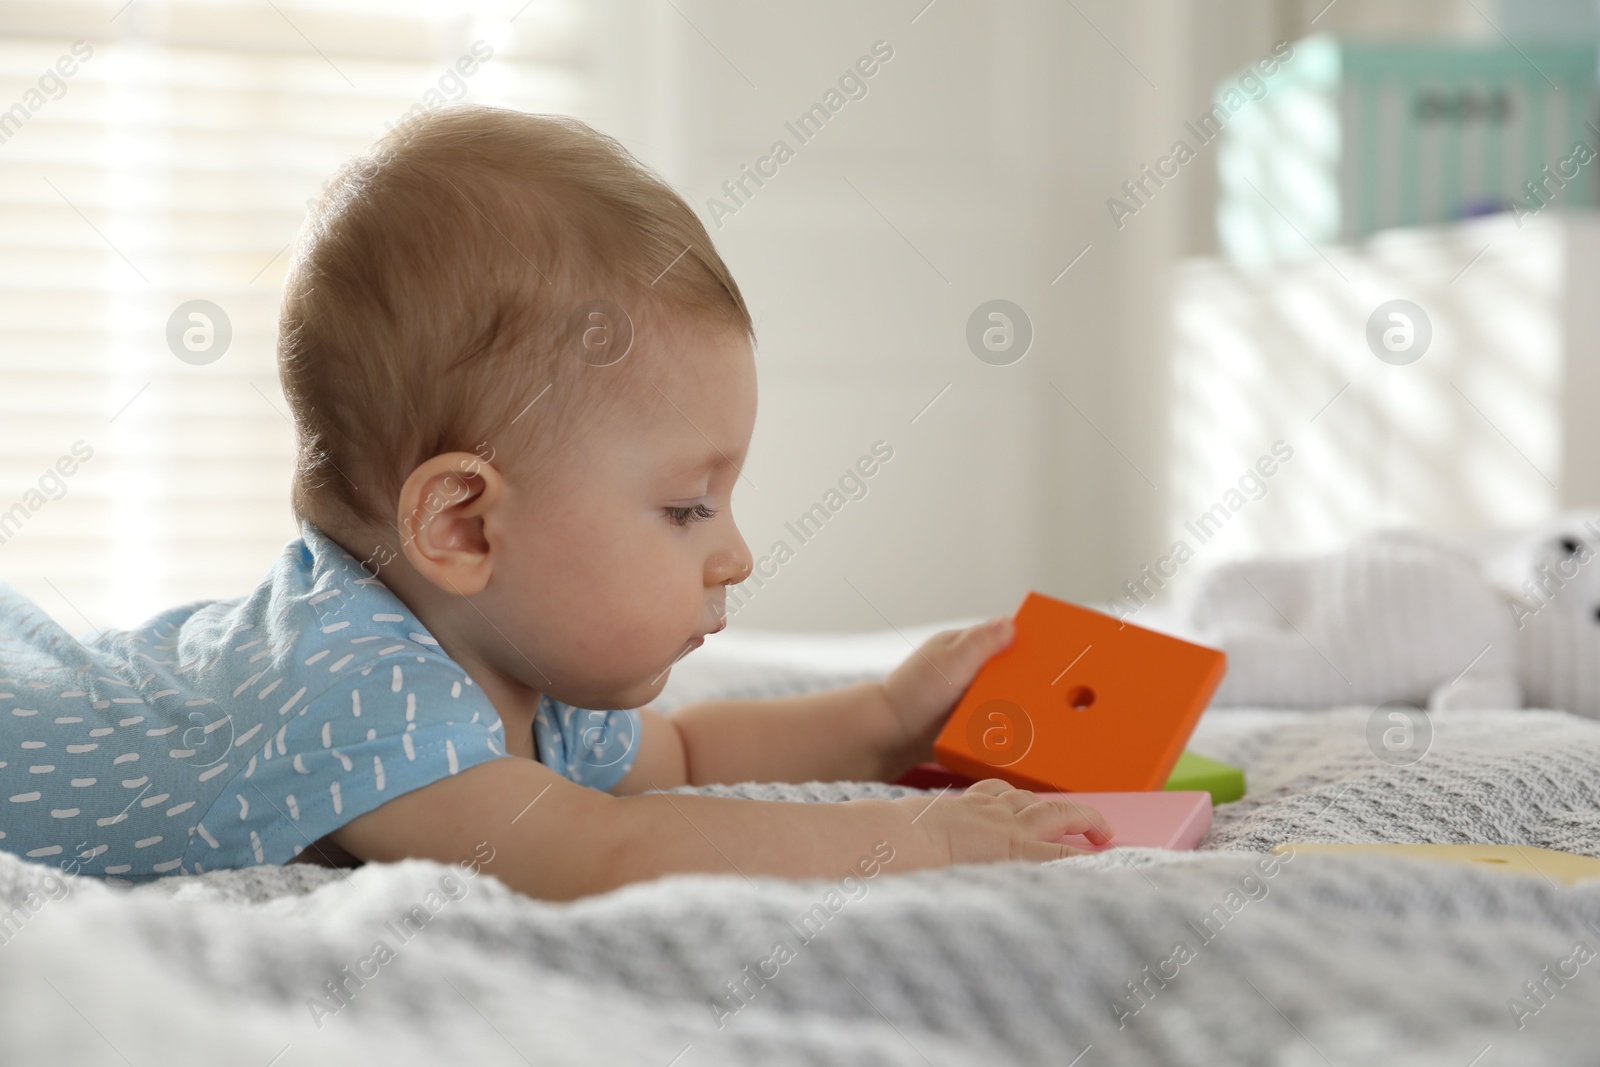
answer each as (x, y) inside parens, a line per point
(1484, 432)
(988, 148)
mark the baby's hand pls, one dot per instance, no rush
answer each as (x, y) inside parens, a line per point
(991, 821)
(923, 690)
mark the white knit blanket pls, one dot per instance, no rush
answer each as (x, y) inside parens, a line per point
(1342, 960)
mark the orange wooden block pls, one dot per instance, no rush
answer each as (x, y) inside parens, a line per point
(1080, 702)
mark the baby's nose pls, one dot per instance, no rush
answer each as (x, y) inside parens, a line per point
(728, 567)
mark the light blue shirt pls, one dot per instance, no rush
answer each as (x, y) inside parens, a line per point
(237, 732)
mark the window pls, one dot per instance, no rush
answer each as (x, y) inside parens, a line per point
(155, 153)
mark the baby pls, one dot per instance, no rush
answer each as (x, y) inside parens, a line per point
(523, 386)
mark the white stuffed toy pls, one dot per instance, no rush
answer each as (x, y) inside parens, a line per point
(1552, 581)
(1397, 616)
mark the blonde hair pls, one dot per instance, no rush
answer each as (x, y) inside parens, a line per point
(433, 291)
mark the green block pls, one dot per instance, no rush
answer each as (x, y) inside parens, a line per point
(1197, 772)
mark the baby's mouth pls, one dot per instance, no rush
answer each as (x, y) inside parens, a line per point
(699, 639)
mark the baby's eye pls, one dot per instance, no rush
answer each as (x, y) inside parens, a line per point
(695, 513)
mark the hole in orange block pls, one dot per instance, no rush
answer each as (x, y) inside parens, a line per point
(1080, 697)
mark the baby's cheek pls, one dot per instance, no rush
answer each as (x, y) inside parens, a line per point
(655, 602)
(628, 590)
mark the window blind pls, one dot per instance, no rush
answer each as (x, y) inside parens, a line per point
(154, 153)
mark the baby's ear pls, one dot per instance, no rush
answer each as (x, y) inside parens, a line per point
(440, 520)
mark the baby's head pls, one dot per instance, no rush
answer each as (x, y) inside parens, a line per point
(523, 386)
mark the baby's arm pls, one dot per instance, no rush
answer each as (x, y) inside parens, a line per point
(551, 838)
(874, 731)
(845, 734)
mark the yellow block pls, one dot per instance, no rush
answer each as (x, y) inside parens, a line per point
(1561, 867)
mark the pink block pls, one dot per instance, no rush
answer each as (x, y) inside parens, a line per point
(1156, 819)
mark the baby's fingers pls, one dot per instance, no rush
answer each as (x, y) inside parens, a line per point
(1056, 817)
(962, 652)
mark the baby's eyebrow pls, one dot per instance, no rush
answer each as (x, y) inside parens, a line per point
(709, 463)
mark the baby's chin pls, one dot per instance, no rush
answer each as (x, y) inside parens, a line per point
(633, 694)
(643, 693)
(620, 684)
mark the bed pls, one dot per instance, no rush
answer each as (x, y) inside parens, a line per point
(1128, 957)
